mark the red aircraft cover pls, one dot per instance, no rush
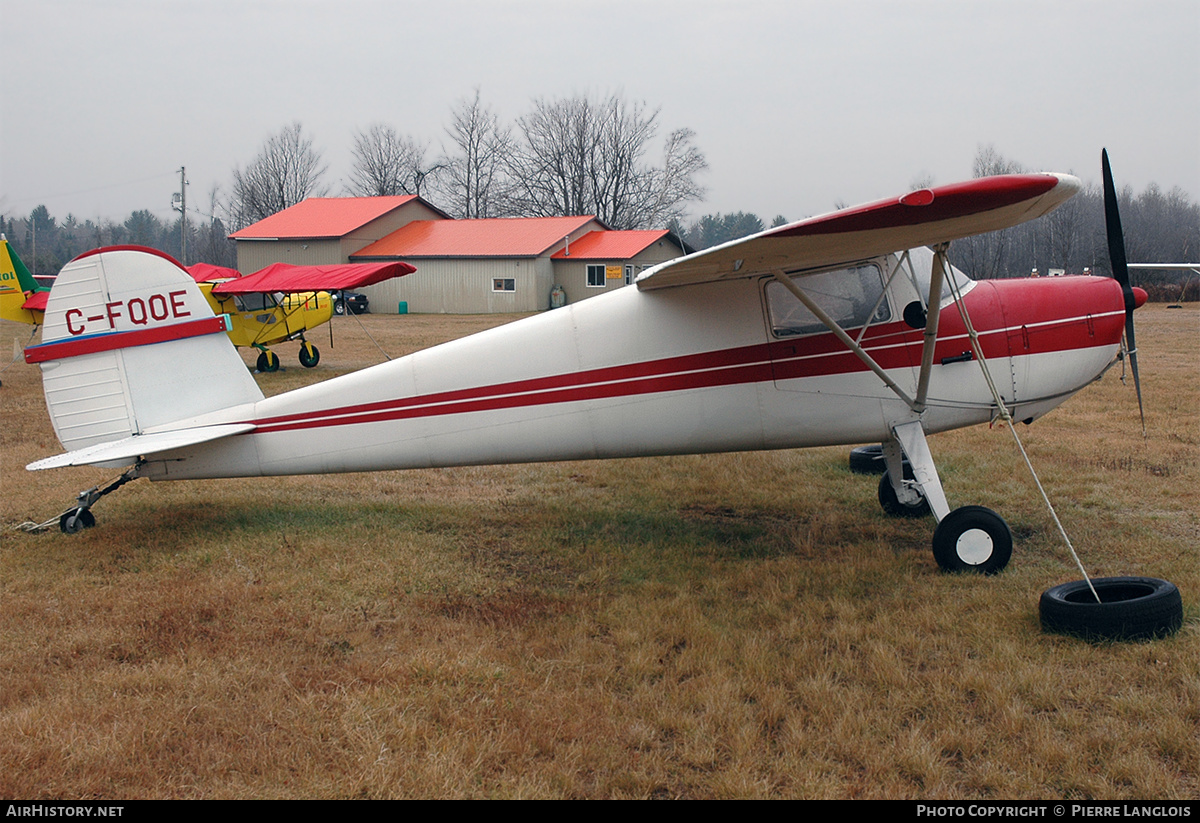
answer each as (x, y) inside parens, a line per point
(204, 272)
(36, 301)
(289, 278)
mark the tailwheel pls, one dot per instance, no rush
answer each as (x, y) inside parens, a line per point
(309, 356)
(76, 520)
(972, 539)
(268, 361)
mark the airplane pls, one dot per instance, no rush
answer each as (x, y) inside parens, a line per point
(844, 328)
(22, 298)
(283, 301)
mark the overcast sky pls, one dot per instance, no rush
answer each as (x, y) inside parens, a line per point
(797, 105)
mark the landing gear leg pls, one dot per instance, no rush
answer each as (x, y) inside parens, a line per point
(970, 538)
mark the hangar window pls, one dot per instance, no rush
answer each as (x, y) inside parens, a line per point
(504, 284)
(850, 296)
(596, 275)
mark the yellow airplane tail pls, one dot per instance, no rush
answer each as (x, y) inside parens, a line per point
(16, 287)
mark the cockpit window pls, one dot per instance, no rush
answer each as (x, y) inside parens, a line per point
(850, 296)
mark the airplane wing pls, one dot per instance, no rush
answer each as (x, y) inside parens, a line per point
(925, 217)
(290, 278)
(139, 445)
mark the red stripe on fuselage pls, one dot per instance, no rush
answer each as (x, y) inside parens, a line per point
(1056, 310)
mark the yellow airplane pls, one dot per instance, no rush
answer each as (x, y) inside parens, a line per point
(22, 298)
(262, 319)
(283, 301)
(275, 304)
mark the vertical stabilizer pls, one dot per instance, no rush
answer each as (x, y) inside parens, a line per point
(130, 343)
(16, 287)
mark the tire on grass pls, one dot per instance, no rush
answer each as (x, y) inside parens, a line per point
(1130, 608)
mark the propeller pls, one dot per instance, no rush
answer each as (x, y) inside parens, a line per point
(1120, 270)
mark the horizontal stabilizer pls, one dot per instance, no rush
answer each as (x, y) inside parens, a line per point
(140, 445)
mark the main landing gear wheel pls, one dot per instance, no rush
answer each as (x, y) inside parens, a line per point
(309, 356)
(891, 504)
(869, 459)
(75, 521)
(268, 361)
(1130, 608)
(972, 539)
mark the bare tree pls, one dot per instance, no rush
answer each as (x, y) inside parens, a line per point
(581, 156)
(387, 163)
(287, 170)
(476, 183)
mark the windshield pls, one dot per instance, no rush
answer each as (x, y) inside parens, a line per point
(922, 265)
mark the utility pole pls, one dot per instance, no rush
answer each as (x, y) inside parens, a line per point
(179, 203)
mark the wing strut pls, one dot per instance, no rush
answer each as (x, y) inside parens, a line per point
(833, 326)
(934, 312)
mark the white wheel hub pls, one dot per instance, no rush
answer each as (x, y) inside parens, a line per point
(974, 546)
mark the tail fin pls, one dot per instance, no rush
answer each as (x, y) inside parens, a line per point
(130, 344)
(16, 287)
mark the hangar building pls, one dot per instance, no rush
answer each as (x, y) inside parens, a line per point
(510, 264)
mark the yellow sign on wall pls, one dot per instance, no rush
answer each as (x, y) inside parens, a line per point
(614, 272)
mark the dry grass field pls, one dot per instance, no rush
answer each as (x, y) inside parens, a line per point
(744, 625)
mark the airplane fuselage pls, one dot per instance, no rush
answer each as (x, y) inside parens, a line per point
(704, 369)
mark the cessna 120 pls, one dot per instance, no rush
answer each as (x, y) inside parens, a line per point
(844, 328)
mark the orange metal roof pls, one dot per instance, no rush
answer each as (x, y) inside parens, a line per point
(322, 217)
(610, 245)
(489, 237)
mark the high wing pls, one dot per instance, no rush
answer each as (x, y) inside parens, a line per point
(290, 279)
(926, 217)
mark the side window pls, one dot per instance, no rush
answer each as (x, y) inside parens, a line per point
(595, 275)
(504, 284)
(848, 295)
(254, 302)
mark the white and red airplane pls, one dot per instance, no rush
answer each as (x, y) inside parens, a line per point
(845, 328)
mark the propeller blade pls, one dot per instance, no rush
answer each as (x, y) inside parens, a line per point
(1120, 269)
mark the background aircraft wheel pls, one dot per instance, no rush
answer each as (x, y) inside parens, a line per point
(309, 356)
(268, 361)
(891, 504)
(73, 522)
(972, 538)
(1130, 608)
(869, 460)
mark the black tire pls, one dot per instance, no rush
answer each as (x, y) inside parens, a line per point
(339, 307)
(869, 460)
(891, 504)
(972, 539)
(1130, 608)
(268, 361)
(309, 355)
(73, 522)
